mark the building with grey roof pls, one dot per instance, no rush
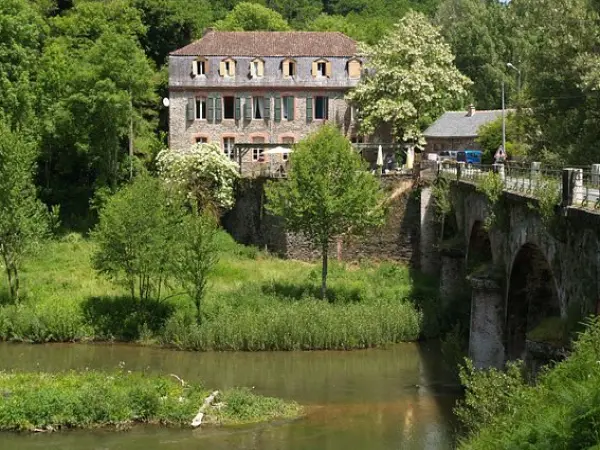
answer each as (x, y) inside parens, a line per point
(458, 130)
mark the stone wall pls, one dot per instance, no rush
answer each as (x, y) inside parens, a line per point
(397, 239)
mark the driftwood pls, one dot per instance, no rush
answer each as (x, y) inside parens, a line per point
(178, 379)
(207, 402)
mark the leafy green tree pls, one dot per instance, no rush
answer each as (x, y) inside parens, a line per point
(413, 80)
(483, 38)
(328, 192)
(247, 16)
(136, 235)
(297, 12)
(23, 218)
(171, 24)
(521, 129)
(195, 255)
(203, 173)
(22, 32)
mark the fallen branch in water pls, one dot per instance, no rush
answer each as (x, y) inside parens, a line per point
(178, 379)
(207, 402)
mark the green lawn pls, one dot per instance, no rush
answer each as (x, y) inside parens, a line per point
(254, 302)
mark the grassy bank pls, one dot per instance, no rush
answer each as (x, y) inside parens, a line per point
(254, 302)
(42, 401)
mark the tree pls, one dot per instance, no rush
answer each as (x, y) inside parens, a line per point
(413, 79)
(328, 192)
(23, 218)
(202, 173)
(483, 39)
(136, 236)
(195, 256)
(521, 129)
(247, 16)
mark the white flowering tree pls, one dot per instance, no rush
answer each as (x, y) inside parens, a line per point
(203, 173)
(412, 79)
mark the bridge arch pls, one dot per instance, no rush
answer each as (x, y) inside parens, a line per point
(532, 297)
(479, 250)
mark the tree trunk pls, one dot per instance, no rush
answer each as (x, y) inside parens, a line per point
(16, 283)
(324, 272)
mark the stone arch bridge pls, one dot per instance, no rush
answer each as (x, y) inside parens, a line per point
(531, 279)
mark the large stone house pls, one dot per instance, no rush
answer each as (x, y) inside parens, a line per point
(458, 130)
(260, 87)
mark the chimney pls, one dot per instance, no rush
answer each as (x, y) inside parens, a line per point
(471, 111)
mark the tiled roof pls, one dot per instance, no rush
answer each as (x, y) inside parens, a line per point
(460, 124)
(270, 43)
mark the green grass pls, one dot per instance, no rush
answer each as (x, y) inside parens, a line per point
(254, 302)
(89, 399)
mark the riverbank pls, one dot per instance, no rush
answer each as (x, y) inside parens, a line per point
(254, 302)
(119, 399)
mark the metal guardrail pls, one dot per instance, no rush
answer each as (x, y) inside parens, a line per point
(578, 187)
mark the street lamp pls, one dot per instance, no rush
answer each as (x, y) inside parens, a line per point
(511, 66)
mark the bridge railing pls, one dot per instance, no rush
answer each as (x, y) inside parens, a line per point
(578, 187)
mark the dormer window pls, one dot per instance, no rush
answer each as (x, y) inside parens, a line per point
(321, 68)
(288, 67)
(199, 67)
(354, 68)
(227, 68)
(257, 68)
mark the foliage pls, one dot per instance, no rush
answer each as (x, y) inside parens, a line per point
(203, 173)
(247, 16)
(548, 196)
(136, 235)
(23, 218)
(327, 193)
(489, 394)
(255, 302)
(40, 401)
(413, 78)
(490, 136)
(560, 411)
(442, 200)
(492, 186)
(195, 256)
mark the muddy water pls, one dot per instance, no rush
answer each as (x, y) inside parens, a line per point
(397, 398)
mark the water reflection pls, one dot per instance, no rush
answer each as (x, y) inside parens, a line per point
(375, 399)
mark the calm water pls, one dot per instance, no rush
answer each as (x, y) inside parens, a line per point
(397, 398)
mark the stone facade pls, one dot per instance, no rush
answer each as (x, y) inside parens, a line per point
(436, 145)
(398, 239)
(264, 78)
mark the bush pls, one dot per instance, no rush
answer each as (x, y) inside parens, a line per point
(91, 399)
(560, 412)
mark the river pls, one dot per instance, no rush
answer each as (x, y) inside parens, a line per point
(382, 399)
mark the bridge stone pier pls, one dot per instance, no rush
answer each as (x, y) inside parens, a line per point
(532, 279)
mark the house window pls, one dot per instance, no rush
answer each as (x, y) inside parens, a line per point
(321, 107)
(200, 109)
(228, 147)
(357, 139)
(257, 152)
(227, 68)
(321, 69)
(228, 107)
(201, 140)
(287, 141)
(258, 107)
(288, 108)
(354, 68)
(256, 68)
(200, 68)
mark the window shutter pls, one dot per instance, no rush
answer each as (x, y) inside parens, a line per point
(354, 69)
(261, 68)
(277, 108)
(218, 108)
(252, 70)
(194, 68)
(206, 67)
(232, 68)
(328, 69)
(189, 109)
(290, 101)
(222, 71)
(286, 69)
(210, 108)
(315, 69)
(309, 108)
(247, 108)
(267, 107)
(238, 108)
